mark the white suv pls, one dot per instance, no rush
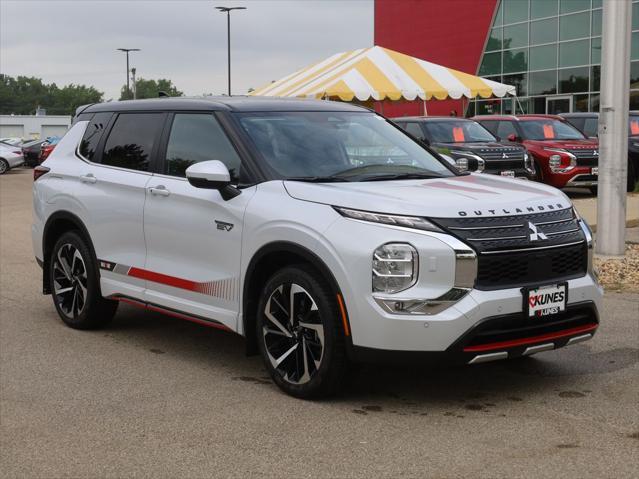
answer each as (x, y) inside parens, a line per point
(320, 231)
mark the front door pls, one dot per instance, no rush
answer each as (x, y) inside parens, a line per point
(556, 105)
(193, 235)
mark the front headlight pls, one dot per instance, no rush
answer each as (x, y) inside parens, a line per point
(394, 267)
(414, 222)
(554, 161)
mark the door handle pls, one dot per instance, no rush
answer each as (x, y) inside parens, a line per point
(159, 190)
(88, 178)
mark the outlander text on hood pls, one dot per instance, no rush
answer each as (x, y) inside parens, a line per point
(320, 231)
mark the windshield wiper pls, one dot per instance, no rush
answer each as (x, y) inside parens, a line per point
(318, 179)
(401, 176)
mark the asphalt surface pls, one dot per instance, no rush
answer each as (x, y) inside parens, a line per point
(152, 396)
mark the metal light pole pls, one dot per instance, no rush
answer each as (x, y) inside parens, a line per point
(135, 89)
(228, 10)
(613, 128)
(127, 50)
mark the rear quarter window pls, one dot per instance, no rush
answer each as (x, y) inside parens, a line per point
(93, 134)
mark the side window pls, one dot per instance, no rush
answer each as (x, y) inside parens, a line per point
(591, 127)
(490, 125)
(199, 137)
(131, 141)
(92, 135)
(415, 130)
(506, 128)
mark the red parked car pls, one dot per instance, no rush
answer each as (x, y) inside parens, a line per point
(563, 155)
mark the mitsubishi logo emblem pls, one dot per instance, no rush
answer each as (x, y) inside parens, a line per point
(595, 153)
(504, 156)
(534, 234)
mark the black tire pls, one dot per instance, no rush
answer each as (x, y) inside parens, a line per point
(4, 166)
(75, 284)
(299, 373)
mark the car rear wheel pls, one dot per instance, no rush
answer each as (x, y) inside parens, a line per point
(4, 166)
(75, 286)
(300, 335)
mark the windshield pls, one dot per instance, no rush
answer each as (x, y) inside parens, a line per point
(549, 129)
(340, 145)
(447, 131)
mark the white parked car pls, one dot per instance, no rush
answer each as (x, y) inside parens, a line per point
(10, 157)
(319, 231)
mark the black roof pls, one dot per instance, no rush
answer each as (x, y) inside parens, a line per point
(431, 118)
(221, 103)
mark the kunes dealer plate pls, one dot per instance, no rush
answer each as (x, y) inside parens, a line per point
(546, 300)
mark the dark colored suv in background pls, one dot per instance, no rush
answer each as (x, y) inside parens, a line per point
(588, 123)
(563, 156)
(470, 145)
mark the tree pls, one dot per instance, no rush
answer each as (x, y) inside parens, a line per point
(151, 89)
(23, 95)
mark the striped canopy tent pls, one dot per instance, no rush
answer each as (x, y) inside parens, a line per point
(378, 73)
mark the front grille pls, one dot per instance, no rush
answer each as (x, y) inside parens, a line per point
(505, 165)
(524, 250)
(586, 157)
(531, 267)
(492, 154)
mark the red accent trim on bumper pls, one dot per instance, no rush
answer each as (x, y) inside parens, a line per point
(533, 339)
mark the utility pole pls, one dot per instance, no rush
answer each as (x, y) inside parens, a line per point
(127, 50)
(228, 10)
(613, 128)
(135, 89)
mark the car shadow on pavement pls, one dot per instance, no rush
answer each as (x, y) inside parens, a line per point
(441, 386)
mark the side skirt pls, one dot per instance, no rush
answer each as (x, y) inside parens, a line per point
(170, 312)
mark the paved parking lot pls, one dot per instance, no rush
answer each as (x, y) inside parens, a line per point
(152, 396)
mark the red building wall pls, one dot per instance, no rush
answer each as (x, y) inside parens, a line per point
(451, 33)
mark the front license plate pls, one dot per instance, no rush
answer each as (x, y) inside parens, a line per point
(508, 173)
(595, 171)
(547, 300)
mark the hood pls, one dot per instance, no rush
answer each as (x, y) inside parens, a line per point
(478, 147)
(566, 144)
(469, 195)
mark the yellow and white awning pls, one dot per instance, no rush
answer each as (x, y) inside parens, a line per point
(379, 73)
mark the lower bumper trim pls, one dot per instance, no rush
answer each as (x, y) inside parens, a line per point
(484, 358)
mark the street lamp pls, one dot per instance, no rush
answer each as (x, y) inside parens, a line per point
(127, 50)
(227, 10)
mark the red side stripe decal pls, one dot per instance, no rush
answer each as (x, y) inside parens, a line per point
(164, 279)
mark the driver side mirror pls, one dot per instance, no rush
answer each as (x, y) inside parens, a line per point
(212, 175)
(514, 138)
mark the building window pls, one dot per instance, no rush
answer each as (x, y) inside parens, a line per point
(580, 103)
(543, 83)
(516, 36)
(545, 8)
(543, 31)
(491, 64)
(634, 47)
(494, 40)
(543, 58)
(595, 75)
(595, 47)
(575, 53)
(573, 80)
(515, 60)
(569, 6)
(515, 11)
(574, 26)
(519, 81)
(596, 21)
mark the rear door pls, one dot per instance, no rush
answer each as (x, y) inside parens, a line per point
(193, 235)
(111, 186)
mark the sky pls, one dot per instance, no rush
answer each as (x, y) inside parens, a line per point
(67, 41)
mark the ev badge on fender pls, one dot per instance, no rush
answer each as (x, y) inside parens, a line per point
(534, 234)
(223, 226)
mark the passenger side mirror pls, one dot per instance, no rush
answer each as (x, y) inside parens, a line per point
(212, 175)
(514, 138)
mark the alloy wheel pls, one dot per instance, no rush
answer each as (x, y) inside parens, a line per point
(70, 280)
(3, 167)
(293, 333)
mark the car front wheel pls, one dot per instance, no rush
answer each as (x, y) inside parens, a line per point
(300, 334)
